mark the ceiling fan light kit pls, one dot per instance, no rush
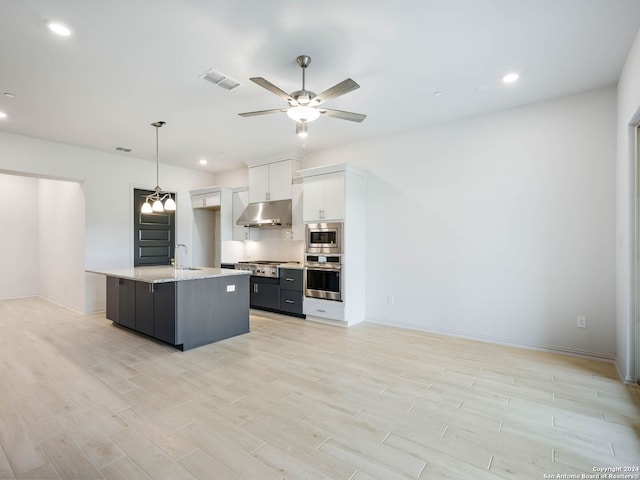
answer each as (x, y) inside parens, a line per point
(302, 130)
(303, 114)
(303, 104)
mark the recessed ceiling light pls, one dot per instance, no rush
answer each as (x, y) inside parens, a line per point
(203, 161)
(59, 29)
(9, 95)
(438, 93)
(510, 77)
(3, 115)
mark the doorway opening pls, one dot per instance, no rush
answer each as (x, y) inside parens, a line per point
(43, 238)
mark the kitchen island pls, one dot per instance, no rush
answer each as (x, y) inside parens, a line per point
(186, 308)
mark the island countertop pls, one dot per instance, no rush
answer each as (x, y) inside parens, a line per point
(163, 274)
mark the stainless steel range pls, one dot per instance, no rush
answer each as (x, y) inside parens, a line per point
(261, 268)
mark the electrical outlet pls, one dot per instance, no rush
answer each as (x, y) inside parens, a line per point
(581, 322)
(391, 300)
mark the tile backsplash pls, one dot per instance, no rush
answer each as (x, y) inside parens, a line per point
(275, 244)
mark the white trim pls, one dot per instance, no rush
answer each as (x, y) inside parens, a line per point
(498, 341)
(339, 167)
(274, 158)
(633, 330)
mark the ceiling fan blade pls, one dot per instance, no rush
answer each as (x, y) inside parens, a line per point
(273, 89)
(262, 112)
(337, 90)
(342, 115)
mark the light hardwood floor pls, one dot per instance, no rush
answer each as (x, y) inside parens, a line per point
(82, 398)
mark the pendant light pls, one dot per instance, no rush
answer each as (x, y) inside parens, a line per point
(153, 201)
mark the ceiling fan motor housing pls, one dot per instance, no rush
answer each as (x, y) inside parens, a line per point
(303, 97)
(304, 60)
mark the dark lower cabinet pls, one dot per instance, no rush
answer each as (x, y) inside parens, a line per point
(144, 308)
(265, 293)
(291, 302)
(148, 308)
(281, 295)
(164, 307)
(291, 291)
(156, 310)
(121, 300)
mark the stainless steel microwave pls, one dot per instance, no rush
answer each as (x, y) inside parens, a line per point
(324, 238)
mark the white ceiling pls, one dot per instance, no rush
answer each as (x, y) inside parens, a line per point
(129, 63)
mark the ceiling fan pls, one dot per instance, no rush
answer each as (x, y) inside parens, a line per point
(303, 104)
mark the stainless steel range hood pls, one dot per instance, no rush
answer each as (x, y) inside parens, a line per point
(267, 214)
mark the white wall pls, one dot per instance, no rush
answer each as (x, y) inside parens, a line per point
(61, 243)
(109, 180)
(19, 238)
(500, 227)
(628, 114)
(234, 178)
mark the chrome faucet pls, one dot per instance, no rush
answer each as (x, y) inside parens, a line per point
(176, 263)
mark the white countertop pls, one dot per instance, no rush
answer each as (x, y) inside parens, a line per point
(299, 266)
(163, 274)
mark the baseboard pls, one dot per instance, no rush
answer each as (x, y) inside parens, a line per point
(68, 307)
(500, 341)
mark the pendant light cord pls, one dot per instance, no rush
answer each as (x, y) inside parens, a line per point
(157, 125)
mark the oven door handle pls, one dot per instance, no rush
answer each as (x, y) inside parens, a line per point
(333, 268)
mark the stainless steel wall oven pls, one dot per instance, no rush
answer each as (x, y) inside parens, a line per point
(323, 276)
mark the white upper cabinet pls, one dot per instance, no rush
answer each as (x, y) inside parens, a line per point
(206, 200)
(324, 197)
(270, 182)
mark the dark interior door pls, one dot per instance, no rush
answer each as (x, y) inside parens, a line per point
(154, 234)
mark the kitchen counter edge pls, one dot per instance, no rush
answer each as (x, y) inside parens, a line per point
(164, 274)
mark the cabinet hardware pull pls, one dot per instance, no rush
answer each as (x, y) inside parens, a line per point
(289, 301)
(323, 311)
(289, 279)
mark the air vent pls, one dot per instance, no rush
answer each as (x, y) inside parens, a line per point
(124, 149)
(220, 79)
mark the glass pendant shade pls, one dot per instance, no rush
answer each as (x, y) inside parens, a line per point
(146, 208)
(170, 204)
(157, 206)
